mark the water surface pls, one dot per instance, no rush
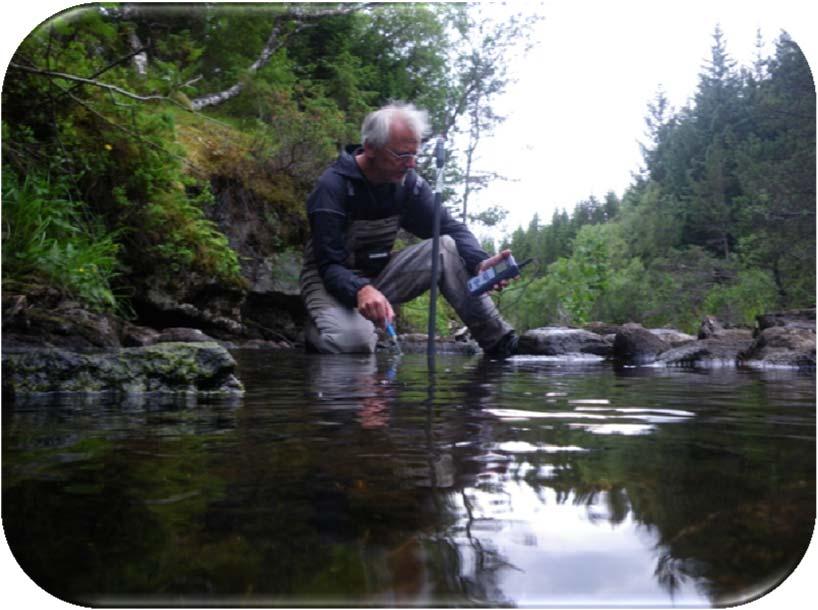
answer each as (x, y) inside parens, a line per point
(357, 480)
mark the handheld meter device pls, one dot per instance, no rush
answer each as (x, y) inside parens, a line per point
(489, 278)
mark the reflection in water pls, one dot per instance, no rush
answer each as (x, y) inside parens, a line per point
(364, 480)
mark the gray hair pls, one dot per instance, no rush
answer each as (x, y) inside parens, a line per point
(376, 126)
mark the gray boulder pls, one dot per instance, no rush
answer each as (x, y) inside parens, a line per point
(634, 344)
(142, 336)
(203, 369)
(138, 336)
(271, 308)
(417, 343)
(777, 346)
(717, 350)
(47, 319)
(191, 300)
(602, 328)
(560, 341)
(711, 327)
(183, 335)
(792, 318)
(672, 337)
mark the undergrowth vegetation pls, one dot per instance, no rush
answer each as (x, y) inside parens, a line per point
(48, 240)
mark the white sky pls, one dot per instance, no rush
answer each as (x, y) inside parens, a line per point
(576, 113)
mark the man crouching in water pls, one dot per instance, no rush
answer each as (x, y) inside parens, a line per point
(351, 277)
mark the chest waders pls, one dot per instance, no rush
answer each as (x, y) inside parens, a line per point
(368, 242)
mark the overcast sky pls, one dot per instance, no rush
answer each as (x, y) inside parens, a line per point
(576, 114)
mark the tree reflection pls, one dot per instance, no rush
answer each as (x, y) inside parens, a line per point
(361, 480)
(691, 490)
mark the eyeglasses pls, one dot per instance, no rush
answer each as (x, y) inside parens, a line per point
(404, 157)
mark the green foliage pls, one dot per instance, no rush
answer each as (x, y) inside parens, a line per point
(576, 288)
(414, 316)
(186, 240)
(651, 220)
(531, 303)
(600, 282)
(489, 217)
(46, 239)
(752, 293)
(116, 158)
(677, 285)
(156, 206)
(626, 296)
(299, 133)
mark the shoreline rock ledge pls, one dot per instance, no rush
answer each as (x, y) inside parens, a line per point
(204, 369)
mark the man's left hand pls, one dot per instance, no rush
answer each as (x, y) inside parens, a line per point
(490, 262)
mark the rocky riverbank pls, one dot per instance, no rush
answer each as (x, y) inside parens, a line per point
(54, 345)
(780, 339)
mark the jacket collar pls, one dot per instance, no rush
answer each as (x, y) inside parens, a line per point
(346, 165)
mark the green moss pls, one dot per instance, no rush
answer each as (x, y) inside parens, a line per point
(218, 149)
(167, 367)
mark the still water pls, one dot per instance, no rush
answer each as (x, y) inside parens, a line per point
(373, 481)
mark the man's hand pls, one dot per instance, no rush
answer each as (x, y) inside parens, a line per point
(374, 306)
(490, 262)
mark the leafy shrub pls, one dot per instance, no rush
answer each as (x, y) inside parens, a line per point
(676, 287)
(739, 302)
(626, 295)
(157, 207)
(531, 303)
(414, 316)
(46, 237)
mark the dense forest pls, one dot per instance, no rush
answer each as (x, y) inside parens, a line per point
(719, 221)
(122, 124)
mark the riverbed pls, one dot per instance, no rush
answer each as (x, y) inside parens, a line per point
(377, 480)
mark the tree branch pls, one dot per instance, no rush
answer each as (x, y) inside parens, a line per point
(111, 65)
(96, 83)
(274, 43)
(306, 18)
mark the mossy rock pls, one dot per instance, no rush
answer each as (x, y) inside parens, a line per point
(203, 369)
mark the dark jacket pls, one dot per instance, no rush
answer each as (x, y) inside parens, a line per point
(343, 197)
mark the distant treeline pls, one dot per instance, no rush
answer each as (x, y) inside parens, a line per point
(720, 221)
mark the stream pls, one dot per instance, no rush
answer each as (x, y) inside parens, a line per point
(371, 480)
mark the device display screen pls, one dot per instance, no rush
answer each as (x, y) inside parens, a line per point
(501, 266)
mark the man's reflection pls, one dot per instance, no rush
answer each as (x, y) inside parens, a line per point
(365, 381)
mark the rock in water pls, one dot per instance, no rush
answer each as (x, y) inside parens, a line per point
(782, 346)
(203, 369)
(719, 350)
(791, 318)
(635, 344)
(561, 341)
